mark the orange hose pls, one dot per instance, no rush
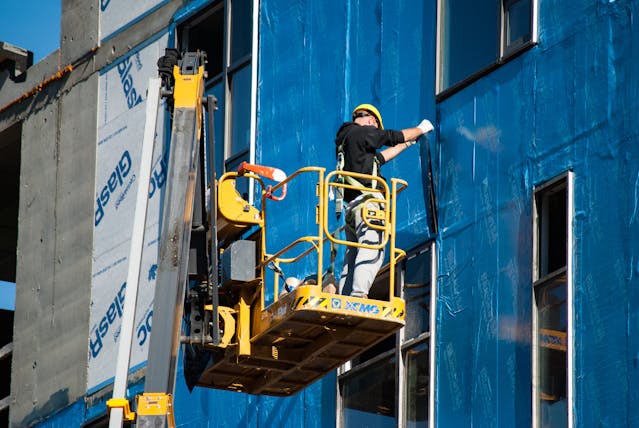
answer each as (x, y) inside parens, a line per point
(274, 174)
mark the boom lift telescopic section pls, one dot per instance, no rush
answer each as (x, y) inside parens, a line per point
(213, 267)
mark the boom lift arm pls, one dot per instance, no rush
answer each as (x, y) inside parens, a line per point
(186, 95)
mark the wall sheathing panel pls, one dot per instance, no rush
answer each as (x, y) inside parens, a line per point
(116, 15)
(121, 118)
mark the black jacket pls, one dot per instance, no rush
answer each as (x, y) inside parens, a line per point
(360, 145)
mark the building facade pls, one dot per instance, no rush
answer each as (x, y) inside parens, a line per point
(514, 315)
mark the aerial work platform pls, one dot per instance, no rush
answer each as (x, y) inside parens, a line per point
(280, 348)
(301, 337)
(213, 296)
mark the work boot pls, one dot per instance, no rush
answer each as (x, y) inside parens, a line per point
(330, 289)
(363, 296)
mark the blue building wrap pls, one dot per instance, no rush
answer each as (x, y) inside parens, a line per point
(569, 103)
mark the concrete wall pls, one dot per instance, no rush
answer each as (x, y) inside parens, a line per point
(54, 255)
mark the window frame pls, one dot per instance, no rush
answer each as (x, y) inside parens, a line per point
(229, 70)
(400, 350)
(503, 52)
(232, 69)
(541, 279)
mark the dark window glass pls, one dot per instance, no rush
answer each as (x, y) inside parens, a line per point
(218, 91)
(206, 33)
(241, 111)
(417, 386)
(241, 29)
(553, 229)
(469, 39)
(551, 304)
(368, 396)
(518, 29)
(552, 360)
(417, 294)
(241, 184)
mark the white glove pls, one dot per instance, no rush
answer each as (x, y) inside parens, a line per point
(425, 126)
(410, 143)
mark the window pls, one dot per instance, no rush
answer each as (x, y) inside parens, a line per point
(389, 385)
(238, 81)
(368, 394)
(475, 36)
(416, 361)
(225, 32)
(551, 302)
(10, 148)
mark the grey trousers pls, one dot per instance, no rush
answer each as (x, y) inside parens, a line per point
(360, 264)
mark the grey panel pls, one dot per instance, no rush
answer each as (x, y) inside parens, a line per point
(79, 29)
(36, 247)
(238, 262)
(54, 255)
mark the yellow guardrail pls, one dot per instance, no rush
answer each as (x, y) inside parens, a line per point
(388, 205)
(381, 216)
(385, 213)
(316, 241)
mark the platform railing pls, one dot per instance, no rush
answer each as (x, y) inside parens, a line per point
(382, 195)
(337, 181)
(316, 242)
(382, 203)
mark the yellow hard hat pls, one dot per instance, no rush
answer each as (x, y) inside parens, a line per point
(371, 109)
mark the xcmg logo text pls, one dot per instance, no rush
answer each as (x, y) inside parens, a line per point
(372, 309)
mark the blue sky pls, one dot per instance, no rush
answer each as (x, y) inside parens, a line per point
(7, 295)
(31, 24)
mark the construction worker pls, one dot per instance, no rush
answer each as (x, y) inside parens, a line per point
(357, 150)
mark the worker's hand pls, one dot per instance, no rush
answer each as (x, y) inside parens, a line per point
(425, 126)
(410, 143)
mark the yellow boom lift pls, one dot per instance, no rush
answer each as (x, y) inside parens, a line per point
(213, 272)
